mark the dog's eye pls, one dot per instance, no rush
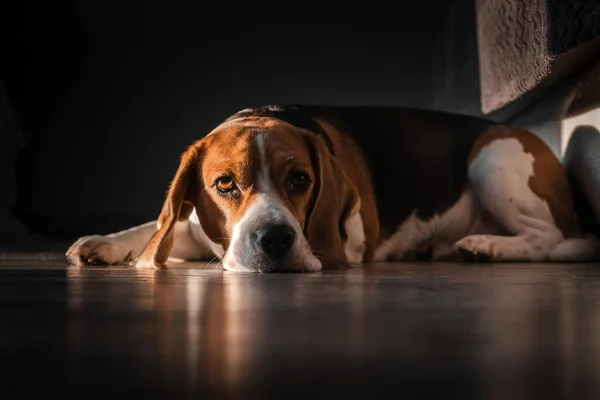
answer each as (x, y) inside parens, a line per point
(299, 180)
(225, 184)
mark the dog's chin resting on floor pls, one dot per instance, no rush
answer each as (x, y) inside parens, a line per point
(302, 188)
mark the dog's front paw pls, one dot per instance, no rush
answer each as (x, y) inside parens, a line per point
(476, 248)
(98, 250)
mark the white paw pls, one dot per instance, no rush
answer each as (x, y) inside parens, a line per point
(98, 250)
(477, 248)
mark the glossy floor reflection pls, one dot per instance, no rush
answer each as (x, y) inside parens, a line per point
(392, 330)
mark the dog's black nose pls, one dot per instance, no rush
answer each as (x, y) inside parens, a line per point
(274, 240)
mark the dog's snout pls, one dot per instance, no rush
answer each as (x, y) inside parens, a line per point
(274, 240)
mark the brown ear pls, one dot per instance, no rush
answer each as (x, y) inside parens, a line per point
(177, 207)
(335, 199)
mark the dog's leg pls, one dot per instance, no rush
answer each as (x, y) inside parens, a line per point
(116, 248)
(408, 239)
(502, 176)
(125, 246)
(577, 250)
(533, 241)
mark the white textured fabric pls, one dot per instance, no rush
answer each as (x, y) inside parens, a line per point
(523, 42)
(513, 49)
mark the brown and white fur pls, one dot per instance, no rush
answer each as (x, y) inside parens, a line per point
(317, 187)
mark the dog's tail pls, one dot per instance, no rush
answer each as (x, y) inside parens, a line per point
(582, 163)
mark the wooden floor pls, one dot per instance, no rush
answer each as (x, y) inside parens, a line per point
(387, 331)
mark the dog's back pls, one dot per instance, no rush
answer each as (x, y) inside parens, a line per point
(417, 158)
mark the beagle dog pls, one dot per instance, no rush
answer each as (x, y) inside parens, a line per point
(301, 188)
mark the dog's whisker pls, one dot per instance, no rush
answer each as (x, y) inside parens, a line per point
(208, 263)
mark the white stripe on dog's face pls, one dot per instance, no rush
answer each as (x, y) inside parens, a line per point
(263, 181)
(267, 210)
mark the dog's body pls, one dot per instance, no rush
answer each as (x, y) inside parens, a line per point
(297, 188)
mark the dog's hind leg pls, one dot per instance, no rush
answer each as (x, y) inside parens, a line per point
(577, 250)
(523, 186)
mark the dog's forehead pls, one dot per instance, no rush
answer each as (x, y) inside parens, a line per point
(282, 142)
(248, 141)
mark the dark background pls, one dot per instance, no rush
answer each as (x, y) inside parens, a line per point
(108, 94)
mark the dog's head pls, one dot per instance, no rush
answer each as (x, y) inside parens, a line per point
(270, 194)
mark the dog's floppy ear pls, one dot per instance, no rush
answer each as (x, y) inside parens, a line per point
(178, 205)
(335, 199)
